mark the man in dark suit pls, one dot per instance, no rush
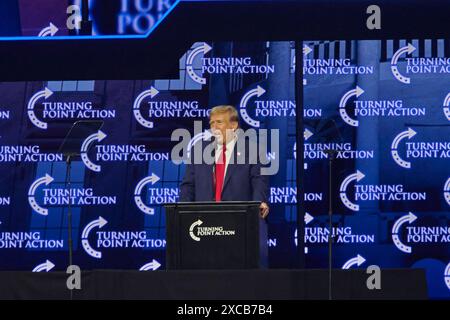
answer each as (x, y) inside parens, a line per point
(235, 174)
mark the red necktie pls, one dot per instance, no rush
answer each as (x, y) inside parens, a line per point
(220, 173)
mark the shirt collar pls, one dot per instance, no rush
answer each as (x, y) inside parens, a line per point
(230, 144)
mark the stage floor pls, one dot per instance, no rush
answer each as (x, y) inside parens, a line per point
(275, 284)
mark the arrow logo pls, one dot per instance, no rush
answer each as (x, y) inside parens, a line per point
(51, 30)
(100, 222)
(205, 136)
(308, 218)
(259, 91)
(191, 229)
(354, 92)
(447, 191)
(205, 48)
(343, 189)
(306, 135)
(99, 136)
(358, 260)
(409, 218)
(154, 265)
(47, 179)
(447, 276)
(152, 92)
(30, 109)
(138, 190)
(394, 69)
(46, 266)
(447, 106)
(306, 51)
(394, 147)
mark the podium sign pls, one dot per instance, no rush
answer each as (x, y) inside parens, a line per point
(213, 235)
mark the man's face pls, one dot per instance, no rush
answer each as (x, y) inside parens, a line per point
(221, 127)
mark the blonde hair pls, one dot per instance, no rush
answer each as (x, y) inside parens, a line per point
(234, 116)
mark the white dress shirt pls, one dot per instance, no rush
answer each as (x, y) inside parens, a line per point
(228, 152)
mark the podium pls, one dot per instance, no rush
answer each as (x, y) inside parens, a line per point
(215, 235)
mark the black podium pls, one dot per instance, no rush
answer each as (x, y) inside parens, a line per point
(215, 235)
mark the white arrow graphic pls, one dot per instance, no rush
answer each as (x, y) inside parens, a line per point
(354, 92)
(447, 191)
(47, 179)
(46, 266)
(394, 147)
(150, 266)
(394, 69)
(138, 190)
(259, 91)
(308, 218)
(408, 218)
(152, 92)
(306, 51)
(306, 135)
(191, 229)
(51, 30)
(447, 106)
(205, 48)
(447, 276)
(100, 222)
(41, 94)
(343, 189)
(358, 260)
(99, 136)
(206, 135)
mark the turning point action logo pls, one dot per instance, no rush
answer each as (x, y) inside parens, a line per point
(418, 234)
(63, 110)
(447, 107)
(375, 108)
(32, 190)
(208, 231)
(62, 197)
(138, 190)
(447, 191)
(221, 65)
(447, 276)
(375, 192)
(431, 65)
(418, 150)
(119, 240)
(160, 108)
(99, 136)
(394, 68)
(270, 108)
(116, 153)
(100, 223)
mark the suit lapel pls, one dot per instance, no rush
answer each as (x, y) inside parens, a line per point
(211, 180)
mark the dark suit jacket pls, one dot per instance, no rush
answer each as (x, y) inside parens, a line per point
(243, 182)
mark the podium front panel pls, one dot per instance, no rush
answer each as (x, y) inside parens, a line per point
(212, 236)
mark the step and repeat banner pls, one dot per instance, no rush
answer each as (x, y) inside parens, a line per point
(124, 173)
(385, 113)
(380, 108)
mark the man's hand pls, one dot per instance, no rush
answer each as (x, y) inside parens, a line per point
(263, 210)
